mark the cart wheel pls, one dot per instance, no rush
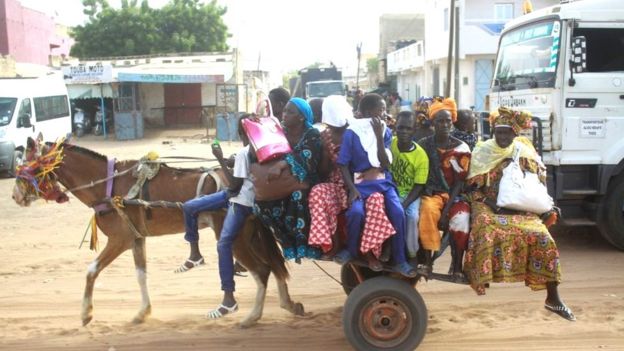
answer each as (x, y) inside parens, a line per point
(384, 313)
(349, 280)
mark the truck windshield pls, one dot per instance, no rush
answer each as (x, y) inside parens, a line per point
(7, 107)
(528, 56)
(325, 89)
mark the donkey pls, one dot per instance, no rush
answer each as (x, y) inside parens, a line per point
(83, 172)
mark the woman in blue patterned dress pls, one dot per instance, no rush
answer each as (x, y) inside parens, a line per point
(289, 218)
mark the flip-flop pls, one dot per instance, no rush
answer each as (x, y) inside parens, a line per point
(183, 268)
(561, 310)
(216, 313)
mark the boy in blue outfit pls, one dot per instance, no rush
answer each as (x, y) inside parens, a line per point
(364, 160)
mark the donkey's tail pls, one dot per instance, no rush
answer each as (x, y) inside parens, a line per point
(269, 252)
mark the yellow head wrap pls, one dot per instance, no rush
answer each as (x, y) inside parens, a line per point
(447, 104)
(517, 120)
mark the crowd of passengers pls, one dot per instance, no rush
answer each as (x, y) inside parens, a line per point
(384, 189)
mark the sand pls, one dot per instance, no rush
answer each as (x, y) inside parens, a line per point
(42, 277)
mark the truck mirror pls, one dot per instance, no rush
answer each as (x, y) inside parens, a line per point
(578, 61)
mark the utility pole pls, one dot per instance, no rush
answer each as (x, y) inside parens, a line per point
(357, 74)
(449, 60)
(457, 86)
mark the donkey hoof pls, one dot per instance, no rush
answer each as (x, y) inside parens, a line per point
(86, 320)
(247, 323)
(299, 311)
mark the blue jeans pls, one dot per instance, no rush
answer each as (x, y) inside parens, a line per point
(412, 215)
(232, 224)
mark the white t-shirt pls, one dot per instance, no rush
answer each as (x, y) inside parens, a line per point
(242, 169)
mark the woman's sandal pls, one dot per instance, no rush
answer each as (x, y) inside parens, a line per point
(216, 313)
(562, 310)
(183, 267)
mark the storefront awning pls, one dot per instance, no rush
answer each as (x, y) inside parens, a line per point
(169, 78)
(88, 91)
(213, 72)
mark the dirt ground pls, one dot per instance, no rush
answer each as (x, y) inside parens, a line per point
(42, 277)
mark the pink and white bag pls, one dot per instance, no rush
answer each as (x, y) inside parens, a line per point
(266, 135)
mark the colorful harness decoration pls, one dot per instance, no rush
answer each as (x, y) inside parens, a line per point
(36, 177)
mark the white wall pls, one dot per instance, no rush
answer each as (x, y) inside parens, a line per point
(209, 94)
(151, 97)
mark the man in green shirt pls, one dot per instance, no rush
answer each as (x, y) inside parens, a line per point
(410, 169)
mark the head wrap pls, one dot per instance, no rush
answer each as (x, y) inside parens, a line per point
(517, 120)
(421, 109)
(304, 109)
(336, 111)
(447, 104)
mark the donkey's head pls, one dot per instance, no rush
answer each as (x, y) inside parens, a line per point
(35, 177)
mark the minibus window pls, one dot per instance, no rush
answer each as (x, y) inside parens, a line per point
(50, 107)
(7, 107)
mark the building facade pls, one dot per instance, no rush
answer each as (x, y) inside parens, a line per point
(30, 36)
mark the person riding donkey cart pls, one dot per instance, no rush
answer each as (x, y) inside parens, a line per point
(442, 208)
(364, 161)
(238, 200)
(512, 245)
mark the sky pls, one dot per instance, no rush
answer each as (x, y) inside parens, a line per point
(283, 35)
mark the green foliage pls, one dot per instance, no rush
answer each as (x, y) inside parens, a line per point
(372, 64)
(179, 26)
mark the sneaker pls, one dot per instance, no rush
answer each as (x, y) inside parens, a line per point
(405, 269)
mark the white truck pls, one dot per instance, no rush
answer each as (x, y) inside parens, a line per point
(565, 64)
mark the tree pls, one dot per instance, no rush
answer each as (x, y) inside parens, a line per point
(180, 26)
(372, 64)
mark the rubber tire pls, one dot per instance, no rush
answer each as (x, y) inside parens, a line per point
(348, 279)
(80, 132)
(611, 216)
(17, 160)
(377, 287)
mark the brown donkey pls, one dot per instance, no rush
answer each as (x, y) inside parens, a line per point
(81, 171)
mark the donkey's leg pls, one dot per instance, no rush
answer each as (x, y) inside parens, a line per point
(286, 302)
(261, 279)
(114, 247)
(141, 270)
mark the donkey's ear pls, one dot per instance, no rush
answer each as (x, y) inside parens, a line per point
(40, 138)
(31, 144)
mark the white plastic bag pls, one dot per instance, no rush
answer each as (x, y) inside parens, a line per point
(522, 191)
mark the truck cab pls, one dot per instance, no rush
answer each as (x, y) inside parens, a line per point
(565, 65)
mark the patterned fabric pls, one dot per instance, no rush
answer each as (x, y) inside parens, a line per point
(289, 218)
(507, 248)
(327, 200)
(510, 248)
(430, 214)
(377, 226)
(517, 120)
(445, 166)
(469, 138)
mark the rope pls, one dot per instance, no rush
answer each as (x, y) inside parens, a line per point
(99, 181)
(327, 273)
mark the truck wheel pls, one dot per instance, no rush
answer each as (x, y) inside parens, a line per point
(611, 217)
(18, 159)
(349, 280)
(384, 313)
